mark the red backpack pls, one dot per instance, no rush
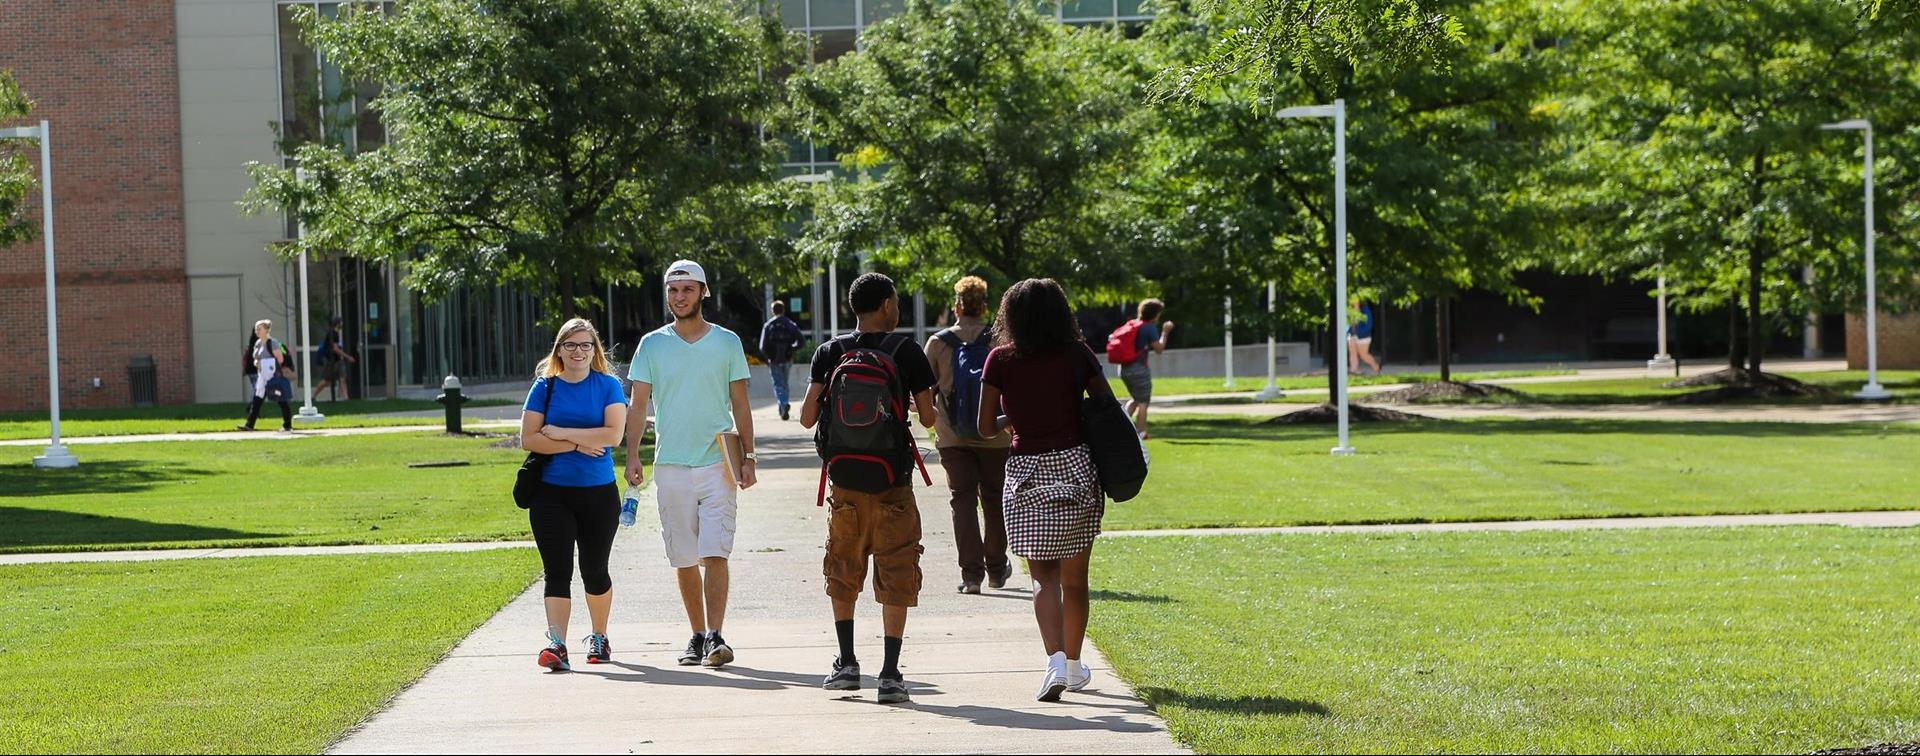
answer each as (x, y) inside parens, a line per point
(1123, 346)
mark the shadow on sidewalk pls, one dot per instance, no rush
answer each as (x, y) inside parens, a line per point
(987, 716)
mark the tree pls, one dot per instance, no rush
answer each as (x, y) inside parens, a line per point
(553, 144)
(1440, 167)
(1273, 41)
(993, 139)
(1701, 153)
(16, 175)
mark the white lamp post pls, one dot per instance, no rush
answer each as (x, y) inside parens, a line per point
(308, 413)
(1873, 391)
(1272, 391)
(1228, 316)
(1338, 112)
(56, 454)
(1661, 360)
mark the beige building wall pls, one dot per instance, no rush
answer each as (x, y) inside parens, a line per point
(229, 94)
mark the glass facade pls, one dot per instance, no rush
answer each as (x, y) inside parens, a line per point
(481, 335)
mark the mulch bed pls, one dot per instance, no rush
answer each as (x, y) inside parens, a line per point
(1883, 749)
(1327, 414)
(1731, 384)
(1445, 391)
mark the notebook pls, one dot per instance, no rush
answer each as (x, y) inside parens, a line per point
(731, 455)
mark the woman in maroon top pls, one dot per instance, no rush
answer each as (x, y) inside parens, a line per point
(1037, 375)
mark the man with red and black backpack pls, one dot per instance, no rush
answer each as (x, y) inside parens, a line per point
(867, 386)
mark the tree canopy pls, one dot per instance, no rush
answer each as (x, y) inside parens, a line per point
(17, 179)
(553, 144)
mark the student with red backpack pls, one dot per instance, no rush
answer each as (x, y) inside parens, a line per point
(976, 465)
(859, 400)
(1130, 346)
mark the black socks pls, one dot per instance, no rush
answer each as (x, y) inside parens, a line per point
(844, 628)
(892, 668)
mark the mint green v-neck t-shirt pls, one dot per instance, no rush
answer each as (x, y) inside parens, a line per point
(692, 391)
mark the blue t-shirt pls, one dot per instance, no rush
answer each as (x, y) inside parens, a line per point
(692, 391)
(1143, 340)
(577, 405)
(1363, 328)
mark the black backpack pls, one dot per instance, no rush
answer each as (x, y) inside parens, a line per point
(1119, 456)
(864, 438)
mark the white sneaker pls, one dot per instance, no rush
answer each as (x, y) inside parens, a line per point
(1055, 681)
(1078, 675)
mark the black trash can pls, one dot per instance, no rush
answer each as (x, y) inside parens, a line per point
(143, 380)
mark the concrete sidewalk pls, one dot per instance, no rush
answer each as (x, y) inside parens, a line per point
(161, 555)
(295, 435)
(1581, 372)
(1814, 414)
(1904, 518)
(973, 661)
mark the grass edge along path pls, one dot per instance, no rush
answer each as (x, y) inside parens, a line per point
(267, 655)
(1719, 640)
(1218, 471)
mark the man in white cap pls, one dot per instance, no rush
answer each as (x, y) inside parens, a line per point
(695, 374)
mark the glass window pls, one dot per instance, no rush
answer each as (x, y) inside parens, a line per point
(828, 45)
(881, 10)
(832, 13)
(793, 13)
(299, 83)
(1087, 9)
(1133, 9)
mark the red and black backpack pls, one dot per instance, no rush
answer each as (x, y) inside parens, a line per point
(864, 437)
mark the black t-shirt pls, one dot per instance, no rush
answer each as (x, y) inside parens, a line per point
(916, 373)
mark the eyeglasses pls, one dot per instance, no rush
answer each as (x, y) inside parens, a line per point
(576, 346)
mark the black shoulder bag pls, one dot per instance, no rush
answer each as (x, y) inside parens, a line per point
(1112, 442)
(527, 487)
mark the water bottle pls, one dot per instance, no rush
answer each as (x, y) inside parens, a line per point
(630, 506)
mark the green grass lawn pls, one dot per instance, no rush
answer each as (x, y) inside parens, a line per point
(1220, 472)
(1251, 383)
(259, 655)
(205, 418)
(1745, 640)
(262, 493)
(1904, 384)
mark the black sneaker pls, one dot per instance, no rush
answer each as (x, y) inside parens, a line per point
(554, 657)
(696, 651)
(719, 654)
(783, 413)
(844, 677)
(893, 690)
(599, 650)
(970, 588)
(998, 579)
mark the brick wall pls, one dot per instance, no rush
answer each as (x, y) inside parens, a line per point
(105, 74)
(1899, 341)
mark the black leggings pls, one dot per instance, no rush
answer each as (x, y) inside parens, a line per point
(286, 413)
(567, 514)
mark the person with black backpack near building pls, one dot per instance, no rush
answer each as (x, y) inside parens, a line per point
(858, 401)
(976, 465)
(334, 360)
(779, 339)
(272, 376)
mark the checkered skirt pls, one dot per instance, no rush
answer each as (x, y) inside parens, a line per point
(1053, 503)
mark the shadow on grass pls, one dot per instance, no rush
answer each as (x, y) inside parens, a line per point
(1206, 430)
(1158, 697)
(1131, 598)
(102, 478)
(29, 529)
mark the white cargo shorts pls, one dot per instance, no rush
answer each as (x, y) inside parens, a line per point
(697, 512)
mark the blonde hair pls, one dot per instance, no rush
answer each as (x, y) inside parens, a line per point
(264, 323)
(970, 296)
(552, 365)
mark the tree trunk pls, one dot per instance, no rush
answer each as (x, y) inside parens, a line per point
(1443, 331)
(567, 307)
(1736, 357)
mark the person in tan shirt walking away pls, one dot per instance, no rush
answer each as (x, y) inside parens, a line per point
(976, 466)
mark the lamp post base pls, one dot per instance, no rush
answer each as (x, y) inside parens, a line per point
(1873, 392)
(1343, 451)
(1268, 394)
(56, 457)
(1661, 363)
(309, 414)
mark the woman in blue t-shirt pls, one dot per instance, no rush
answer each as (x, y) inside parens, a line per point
(1360, 340)
(576, 413)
